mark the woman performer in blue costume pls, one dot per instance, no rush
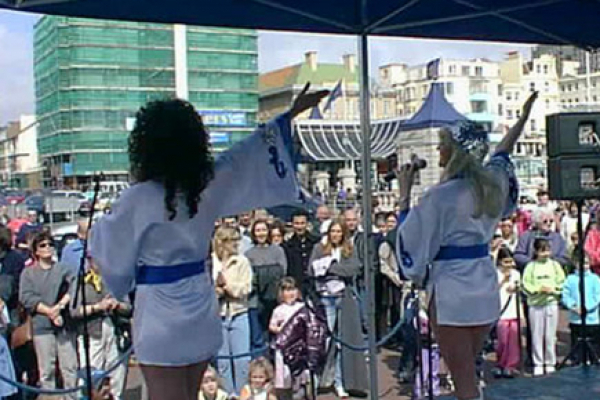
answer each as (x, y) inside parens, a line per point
(157, 239)
(446, 239)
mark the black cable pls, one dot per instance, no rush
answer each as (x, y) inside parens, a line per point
(80, 286)
(518, 299)
(430, 357)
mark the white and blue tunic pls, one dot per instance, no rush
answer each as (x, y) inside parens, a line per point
(441, 239)
(176, 318)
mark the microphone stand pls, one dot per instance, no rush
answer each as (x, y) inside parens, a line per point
(80, 287)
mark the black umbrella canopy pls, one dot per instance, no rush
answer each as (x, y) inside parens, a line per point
(538, 21)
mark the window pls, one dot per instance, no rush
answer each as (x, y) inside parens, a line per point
(500, 109)
(386, 108)
(547, 103)
(593, 83)
(449, 88)
(533, 125)
(576, 86)
(576, 99)
(562, 88)
(518, 113)
(569, 87)
(594, 98)
(478, 106)
(465, 70)
(532, 86)
(499, 90)
(509, 114)
(546, 69)
(546, 86)
(478, 71)
(508, 95)
(516, 95)
(538, 68)
(452, 69)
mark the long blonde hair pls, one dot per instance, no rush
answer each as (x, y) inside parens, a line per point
(483, 184)
(225, 243)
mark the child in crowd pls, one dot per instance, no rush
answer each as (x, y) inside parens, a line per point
(428, 350)
(571, 299)
(542, 281)
(507, 349)
(260, 378)
(289, 304)
(210, 388)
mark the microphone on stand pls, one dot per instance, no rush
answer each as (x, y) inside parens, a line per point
(415, 162)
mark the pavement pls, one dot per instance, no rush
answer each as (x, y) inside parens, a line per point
(390, 387)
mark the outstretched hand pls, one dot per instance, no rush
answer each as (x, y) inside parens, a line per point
(509, 140)
(406, 177)
(306, 100)
(529, 105)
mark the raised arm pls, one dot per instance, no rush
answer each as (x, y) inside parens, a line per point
(508, 142)
(259, 171)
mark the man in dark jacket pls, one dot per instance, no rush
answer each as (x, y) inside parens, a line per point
(299, 248)
(358, 240)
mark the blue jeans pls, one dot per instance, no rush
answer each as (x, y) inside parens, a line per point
(332, 306)
(257, 340)
(236, 340)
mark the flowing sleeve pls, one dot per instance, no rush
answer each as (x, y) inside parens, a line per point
(257, 172)
(419, 237)
(503, 166)
(114, 245)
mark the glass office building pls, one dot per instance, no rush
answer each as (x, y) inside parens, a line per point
(91, 76)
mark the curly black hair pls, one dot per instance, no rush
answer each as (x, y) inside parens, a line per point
(170, 145)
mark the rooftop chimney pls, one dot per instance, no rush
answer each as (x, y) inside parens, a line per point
(349, 62)
(311, 59)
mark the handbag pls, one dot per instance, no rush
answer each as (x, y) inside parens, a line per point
(22, 334)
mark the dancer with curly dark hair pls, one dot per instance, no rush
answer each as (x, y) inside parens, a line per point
(157, 239)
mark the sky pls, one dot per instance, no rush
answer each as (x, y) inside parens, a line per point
(276, 50)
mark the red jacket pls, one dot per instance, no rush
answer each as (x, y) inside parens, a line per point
(592, 249)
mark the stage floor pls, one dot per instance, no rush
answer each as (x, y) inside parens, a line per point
(574, 383)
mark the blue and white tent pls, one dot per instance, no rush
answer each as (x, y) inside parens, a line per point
(435, 112)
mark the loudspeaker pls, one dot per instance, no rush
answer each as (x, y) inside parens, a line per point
(573, 134)
(573, 155)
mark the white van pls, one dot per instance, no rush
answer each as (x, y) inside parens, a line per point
(113, 187)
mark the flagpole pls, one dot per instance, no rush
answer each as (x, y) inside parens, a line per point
(344, 100)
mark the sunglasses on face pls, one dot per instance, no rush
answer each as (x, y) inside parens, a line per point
(45, 245)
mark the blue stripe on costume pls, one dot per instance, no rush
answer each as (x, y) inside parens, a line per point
(502, 161)
(402, 216)
(463, 252)
(157, 275)
(405, 257)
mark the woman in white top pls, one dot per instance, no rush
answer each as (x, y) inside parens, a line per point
(446, 237)
(232, 275)
(157, 239)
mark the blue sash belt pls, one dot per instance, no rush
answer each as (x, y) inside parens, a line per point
(153, 275)
(463, 252)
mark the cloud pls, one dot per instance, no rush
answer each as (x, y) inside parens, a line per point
(16, 65)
